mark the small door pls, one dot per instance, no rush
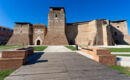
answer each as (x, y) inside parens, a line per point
(38, 42)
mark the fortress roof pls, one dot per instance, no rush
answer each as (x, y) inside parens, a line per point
(118, 21)
(79, 22)
(83, 22)
(39, 24)
(57, 7)
(22, 23)
(43, 25)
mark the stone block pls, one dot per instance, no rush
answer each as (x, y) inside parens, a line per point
(30, 50)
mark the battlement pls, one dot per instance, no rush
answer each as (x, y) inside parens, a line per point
(57, 9)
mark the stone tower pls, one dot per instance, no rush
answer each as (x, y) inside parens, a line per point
(56, 27)
(22, 34)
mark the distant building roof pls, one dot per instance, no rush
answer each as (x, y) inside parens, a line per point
(6, 27)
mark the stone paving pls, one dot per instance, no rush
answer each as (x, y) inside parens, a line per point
(57, 49)
(64, 66)
(0, 54)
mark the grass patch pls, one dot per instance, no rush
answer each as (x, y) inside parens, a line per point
(122, 54)
(125, 70)
(119, 49)
(39, 48)
(10, 47)
(5, 73)
(71, 48)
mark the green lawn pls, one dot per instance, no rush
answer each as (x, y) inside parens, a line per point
(71, 48)
(122, 55)
(39, 48)
(10, 47)
(119, 49)
(5, 73)
(125, 70)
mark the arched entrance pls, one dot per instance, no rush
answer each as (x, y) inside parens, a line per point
(38, 42)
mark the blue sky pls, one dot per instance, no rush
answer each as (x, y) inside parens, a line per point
(36, 11)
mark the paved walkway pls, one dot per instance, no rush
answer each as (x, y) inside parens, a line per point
(64, 66)
(57, 49)
(120, 52)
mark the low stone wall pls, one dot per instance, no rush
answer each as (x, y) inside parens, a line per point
(15, 54)
(101, 55)
(15, 58)
(29, 50)
(10, 63)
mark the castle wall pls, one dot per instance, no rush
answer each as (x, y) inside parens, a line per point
(99, 36)
(5, 34)
(109, 35)
(96, 32)
(120, 26)
(119, 31)
(104, 36)
(86, 33)
(39, 32)
(71, 31)
(22, 34)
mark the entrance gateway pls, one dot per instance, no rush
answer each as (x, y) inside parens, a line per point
(38, 42)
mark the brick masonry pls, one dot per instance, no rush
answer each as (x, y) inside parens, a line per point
(22, 34)
(11, 63)
(94, 32)
(101, 55)
(39, 32)
(56, 27)
(14, 59)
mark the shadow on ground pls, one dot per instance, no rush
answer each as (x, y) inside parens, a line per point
(34, 58)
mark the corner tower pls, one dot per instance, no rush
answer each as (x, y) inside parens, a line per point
(56, 27)
(22, 34)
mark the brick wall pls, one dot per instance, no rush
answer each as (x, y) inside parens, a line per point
(101, 55)
(14, 59)
(22, 34)
(39, 32)
(56, 28)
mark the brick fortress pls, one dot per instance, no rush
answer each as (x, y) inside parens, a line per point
(5, 34)
(94, 32)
